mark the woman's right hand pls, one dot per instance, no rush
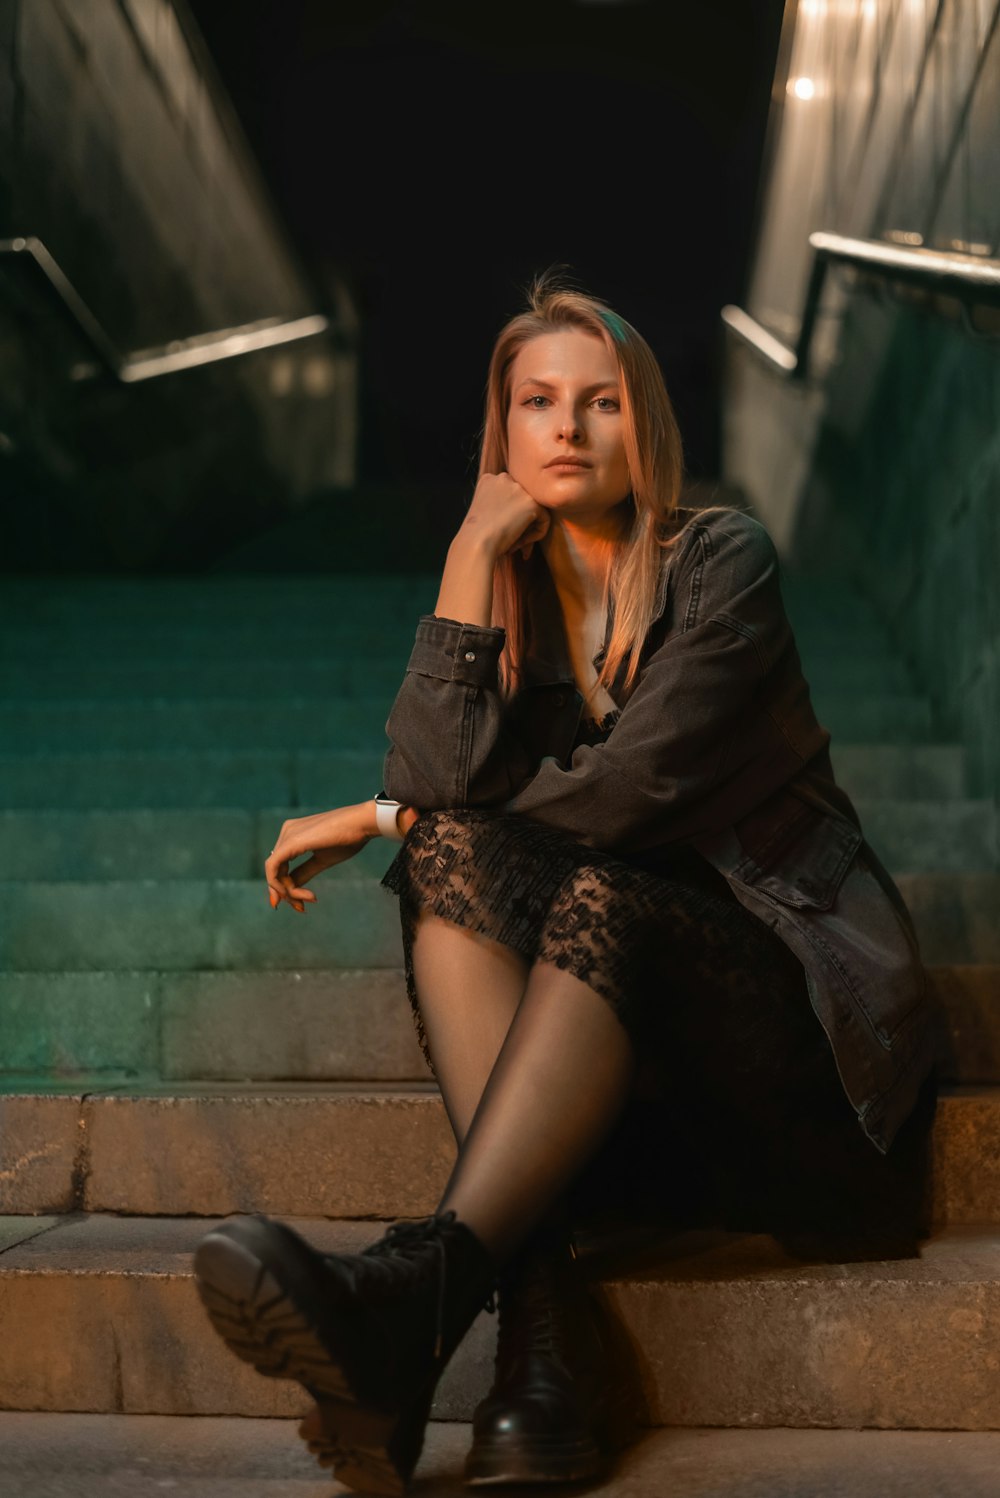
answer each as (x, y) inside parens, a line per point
(503, 517)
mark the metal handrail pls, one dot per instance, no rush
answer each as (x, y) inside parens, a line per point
(969, 277)
(171, 358)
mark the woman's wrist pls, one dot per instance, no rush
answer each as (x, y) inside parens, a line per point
(466, 592)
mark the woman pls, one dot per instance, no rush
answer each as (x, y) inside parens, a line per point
(623, 839)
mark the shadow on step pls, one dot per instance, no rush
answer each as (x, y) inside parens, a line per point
(819, 1193)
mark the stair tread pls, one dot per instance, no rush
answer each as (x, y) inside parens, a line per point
(99, 1456)
(110, 1243)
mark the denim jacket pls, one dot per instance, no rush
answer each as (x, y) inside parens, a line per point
(717, 746)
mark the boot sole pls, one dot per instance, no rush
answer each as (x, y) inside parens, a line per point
(263, 1325)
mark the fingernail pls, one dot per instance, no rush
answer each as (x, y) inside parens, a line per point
(272, 897)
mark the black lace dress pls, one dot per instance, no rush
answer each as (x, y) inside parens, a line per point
(738, 1118)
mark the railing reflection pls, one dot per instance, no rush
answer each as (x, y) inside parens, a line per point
(171, 358)
(970, 278)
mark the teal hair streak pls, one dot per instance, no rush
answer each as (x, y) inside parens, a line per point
(614, 325)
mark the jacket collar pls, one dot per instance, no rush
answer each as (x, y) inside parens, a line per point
(546, 660)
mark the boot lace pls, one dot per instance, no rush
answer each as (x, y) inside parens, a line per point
(531, 1320)
(412, 1252)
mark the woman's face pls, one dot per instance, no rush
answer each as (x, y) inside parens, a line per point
(565, 403)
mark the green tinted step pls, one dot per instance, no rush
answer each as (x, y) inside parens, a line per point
(351, 671)
(858, 717)
(350, 674)
(905, 771)
(330, 1025)
(247, 601)
(345, 723)
(956, 916)
(202, 844)
(932, 836)
(220, 641)
(251, 723)
(186, 778)
(837, 674)
(335, 1024)
(731, 1332)
(178, 925)
(253, 778)
(182, 924)
(908, 836)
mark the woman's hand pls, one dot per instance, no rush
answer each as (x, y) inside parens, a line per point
(331, 837)
(503, 517)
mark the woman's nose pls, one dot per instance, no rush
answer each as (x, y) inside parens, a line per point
(570, 427)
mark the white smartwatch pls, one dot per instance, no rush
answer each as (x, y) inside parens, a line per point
(386, 812)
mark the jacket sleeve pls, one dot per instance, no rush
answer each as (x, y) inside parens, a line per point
(679, 739)
(674, 742)
(447, 725)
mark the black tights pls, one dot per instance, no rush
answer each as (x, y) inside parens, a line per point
(555, 986)
(533, 1066)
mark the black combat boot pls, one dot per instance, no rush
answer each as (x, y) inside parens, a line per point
(556, 1409)
(367, 1334)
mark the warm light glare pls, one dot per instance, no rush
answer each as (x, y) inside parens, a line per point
(802, 88)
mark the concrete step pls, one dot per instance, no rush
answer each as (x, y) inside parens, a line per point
(184, 778)
(335, 1025)
(179, 924)
(334, 1149)
(908, 836)
(730, 1330)
(99, 1456)
(161, 844)
(873, 772)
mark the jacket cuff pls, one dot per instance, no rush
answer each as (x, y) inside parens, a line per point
(457, 652)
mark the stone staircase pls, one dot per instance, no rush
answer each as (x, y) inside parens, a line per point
(175, 1051)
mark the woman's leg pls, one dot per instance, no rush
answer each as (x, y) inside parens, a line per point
(468, 988)
(558, 1085)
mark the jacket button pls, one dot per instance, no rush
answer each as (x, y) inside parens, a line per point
(470, 655)
(560, 699)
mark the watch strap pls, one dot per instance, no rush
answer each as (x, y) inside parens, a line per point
(386, 812)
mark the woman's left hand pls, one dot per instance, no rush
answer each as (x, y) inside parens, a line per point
(331, 837)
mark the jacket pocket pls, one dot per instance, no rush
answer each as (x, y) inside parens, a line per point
(796, 853)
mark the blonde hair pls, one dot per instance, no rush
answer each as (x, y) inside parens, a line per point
(653, 451)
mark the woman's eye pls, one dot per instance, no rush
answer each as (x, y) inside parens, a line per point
(532, 398)
(610, 404)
